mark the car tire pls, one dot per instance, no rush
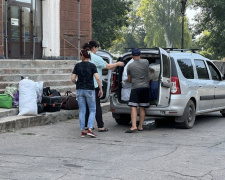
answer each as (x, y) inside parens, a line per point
(124, 119)
(188, 118)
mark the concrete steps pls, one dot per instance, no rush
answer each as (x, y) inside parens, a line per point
(35, 77)
(29, 71)
(54, 73)
(17, 63)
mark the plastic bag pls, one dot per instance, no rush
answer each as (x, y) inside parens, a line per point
(15, 102)
(39, 91)
(11, 89)
(27, 97)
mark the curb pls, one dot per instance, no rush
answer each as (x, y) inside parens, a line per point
(12, 123)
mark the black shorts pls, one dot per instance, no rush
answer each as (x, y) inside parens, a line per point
(139, 97)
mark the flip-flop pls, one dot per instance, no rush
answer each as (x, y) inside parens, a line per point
(140, 129)
(130, 131)
(103, 130)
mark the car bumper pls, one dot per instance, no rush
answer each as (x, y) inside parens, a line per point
(175, 108)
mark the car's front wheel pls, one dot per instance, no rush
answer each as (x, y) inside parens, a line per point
(188, 118)
(123, 119)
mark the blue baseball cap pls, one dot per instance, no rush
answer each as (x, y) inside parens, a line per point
(136, 52)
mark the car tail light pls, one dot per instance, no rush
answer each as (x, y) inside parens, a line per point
(175, 89)
(113, 87)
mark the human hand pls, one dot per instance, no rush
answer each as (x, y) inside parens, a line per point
(120, 63)
(100, 93)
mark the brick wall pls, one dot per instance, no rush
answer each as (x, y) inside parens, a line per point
(1, 30)
(69, 25)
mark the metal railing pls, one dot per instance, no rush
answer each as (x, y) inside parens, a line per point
(64, 47)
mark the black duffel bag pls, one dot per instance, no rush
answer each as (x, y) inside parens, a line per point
(69, 101)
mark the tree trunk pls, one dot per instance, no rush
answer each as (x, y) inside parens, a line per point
(168, 43)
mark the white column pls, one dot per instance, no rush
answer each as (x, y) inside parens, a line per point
(51, 28)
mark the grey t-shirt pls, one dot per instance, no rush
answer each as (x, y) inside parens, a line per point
(139, 72)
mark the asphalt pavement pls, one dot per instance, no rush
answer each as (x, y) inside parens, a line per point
(56, 152)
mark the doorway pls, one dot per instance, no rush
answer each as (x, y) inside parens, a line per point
(20, 30)
(24, 29)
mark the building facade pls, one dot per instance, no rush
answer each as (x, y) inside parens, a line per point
(44, 29)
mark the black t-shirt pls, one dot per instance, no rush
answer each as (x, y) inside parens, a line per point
(85, 71)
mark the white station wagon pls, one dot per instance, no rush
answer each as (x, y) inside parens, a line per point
(186, 84)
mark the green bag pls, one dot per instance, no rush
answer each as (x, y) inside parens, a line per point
(5, 101)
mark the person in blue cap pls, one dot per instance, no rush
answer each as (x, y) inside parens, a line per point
(138, 76)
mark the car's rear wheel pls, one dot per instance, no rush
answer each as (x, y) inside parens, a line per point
(124, 119)
(188, 118)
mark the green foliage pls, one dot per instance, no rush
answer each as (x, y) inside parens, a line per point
(212, 19)
(108, 16)
(204, 44)
(132, 35)
(162, 20)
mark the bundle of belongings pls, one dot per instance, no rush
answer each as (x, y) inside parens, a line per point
(34, 99)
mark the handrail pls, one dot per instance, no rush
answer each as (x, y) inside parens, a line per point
(64, 44)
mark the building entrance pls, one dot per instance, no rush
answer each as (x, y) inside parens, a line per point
(20, 30)
(23, 35)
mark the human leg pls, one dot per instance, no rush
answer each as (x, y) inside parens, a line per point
(98, 115)
(143, 96)
(141, 117)
(82, 108)
(133, 118)
(86, 115)
(90, 97)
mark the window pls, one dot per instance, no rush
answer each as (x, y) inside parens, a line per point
(201, 69)
(214, 72)
(186, 68)
(166, 66)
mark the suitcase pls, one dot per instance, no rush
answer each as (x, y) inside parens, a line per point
(52, 103)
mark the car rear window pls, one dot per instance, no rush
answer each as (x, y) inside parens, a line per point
(166, 66)
(186, 68)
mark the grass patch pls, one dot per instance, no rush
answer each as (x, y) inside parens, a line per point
(28, 134)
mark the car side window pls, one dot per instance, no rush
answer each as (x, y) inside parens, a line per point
(166, 66)
(186, 68)
(201, 69)
(214, 72)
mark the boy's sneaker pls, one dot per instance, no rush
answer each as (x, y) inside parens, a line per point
(90, 133)
(83, 134)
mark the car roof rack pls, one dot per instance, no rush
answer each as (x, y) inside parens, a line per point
(130, 49)
(181, 50)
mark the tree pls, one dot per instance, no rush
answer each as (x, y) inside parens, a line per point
(108, 17)
(212, 19)
(132, 35)
(162, 21)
